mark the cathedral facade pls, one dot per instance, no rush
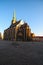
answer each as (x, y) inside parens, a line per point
(18, 31)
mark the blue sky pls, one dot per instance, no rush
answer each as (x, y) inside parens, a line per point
(30, 11)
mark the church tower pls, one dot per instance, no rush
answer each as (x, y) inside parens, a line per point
(14, 18)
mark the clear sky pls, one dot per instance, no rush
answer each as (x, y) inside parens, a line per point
(30, 11)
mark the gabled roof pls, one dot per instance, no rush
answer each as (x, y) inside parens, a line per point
(13, 25)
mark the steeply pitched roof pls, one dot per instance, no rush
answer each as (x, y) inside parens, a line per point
(13, 25)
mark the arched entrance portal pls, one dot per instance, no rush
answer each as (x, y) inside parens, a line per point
(20, 36)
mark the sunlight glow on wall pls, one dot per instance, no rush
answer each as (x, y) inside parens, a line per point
(21, 23)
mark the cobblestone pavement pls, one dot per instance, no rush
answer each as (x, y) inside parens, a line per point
(21, 53)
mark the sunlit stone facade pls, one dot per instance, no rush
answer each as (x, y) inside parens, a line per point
(18, 30)
(0, 36)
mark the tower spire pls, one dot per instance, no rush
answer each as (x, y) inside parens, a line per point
(14, 17)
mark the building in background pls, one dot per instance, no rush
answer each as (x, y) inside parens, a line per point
(18, 31)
